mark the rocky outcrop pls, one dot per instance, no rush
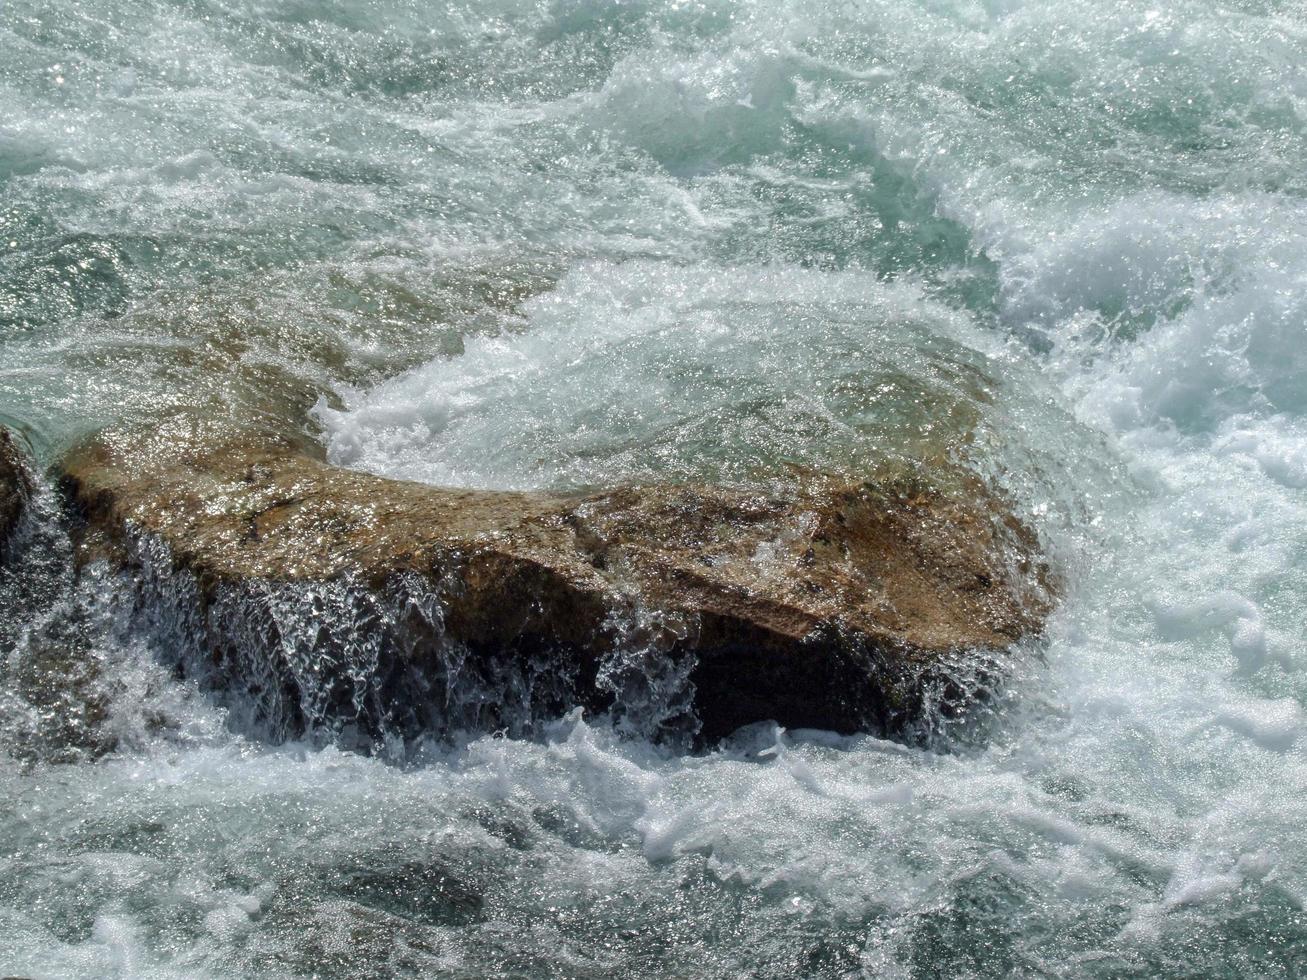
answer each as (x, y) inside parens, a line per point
(812, 601)
(15, 487)
(53, 707)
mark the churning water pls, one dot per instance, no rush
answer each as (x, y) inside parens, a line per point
(575, 242)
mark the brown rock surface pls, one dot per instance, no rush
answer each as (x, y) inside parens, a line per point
(812, 601)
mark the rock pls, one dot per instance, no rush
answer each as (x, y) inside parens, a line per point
(15, 487)
(812, 601)
(53, 707)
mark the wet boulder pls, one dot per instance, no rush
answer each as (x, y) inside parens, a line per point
(15, 486)
(331, 597)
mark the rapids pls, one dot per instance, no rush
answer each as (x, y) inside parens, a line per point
(568, 243)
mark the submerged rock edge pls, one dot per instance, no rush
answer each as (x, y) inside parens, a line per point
(826, 604)
(15, 487)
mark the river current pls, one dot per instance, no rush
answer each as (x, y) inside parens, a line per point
(572, 243)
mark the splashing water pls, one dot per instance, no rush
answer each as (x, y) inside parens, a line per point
(571, 242)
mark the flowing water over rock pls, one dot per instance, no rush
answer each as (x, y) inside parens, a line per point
(314, 599)
(570, 244)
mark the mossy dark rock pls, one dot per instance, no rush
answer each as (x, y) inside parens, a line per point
(56, 707)
(813, 601)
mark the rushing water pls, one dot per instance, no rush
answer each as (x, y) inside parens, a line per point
(576, 242)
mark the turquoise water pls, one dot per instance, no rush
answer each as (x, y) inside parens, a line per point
(573, 243)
